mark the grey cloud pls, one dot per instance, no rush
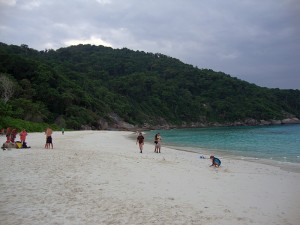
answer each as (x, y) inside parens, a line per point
(256, 41)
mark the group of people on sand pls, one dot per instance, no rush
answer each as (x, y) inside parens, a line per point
(11, 135)
(216, 162)
(157, 141)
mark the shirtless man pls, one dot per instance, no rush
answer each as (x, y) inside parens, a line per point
(48, 133)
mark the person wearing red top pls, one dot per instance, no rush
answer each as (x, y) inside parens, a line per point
(13, 135)
(8, 134)
(23, 135)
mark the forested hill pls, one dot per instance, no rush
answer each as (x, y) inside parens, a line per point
(96, 86)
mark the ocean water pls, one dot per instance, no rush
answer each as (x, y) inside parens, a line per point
(279, 143)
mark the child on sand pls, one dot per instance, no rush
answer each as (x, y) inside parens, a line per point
(215, 161)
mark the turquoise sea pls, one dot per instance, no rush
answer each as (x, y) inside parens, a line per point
(280, 143)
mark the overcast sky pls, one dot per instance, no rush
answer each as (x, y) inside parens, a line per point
(254, 40)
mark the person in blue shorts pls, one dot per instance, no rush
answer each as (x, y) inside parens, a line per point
(215, 161)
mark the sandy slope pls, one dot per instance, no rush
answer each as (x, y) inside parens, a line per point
(99, 177)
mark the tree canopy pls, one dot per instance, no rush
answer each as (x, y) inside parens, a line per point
(83, 84)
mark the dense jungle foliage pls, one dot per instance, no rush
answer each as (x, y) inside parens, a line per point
(80, 85)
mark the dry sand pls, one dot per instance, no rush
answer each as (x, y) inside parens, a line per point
(99, 177)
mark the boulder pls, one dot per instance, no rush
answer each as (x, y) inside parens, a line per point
(102, 124)
(86, 127)
(290, 121)
(275, 122)
(264, 122)
(251, 122)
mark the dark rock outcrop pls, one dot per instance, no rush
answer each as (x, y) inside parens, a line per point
(291, 121)
(115, 122)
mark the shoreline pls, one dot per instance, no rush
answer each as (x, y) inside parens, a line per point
(99, 177)
(286, 166)
(216, 125)
(286, 163)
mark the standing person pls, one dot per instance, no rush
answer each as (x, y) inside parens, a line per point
(140, 139)
(62, 131)
(48, 138)
(23, 135)
(8, 134)
(158, 145)
(13, 135)
(155, 143)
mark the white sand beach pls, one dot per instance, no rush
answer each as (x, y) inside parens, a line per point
(99, 177)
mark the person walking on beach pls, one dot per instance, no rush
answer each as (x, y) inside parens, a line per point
(140, 140)
(215, 161)
(157, 141)
(49, 138)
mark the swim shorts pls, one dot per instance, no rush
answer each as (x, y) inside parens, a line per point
(49, 140)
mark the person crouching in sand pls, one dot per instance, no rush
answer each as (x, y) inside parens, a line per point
(215, 161)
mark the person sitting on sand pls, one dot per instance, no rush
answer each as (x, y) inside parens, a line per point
(215, 161)
(140, 139)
